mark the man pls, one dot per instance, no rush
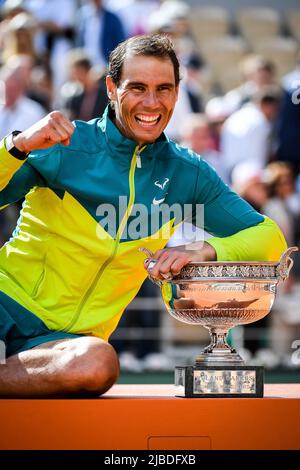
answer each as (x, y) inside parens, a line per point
(84, 96)
(65, 279)
(55, 35)
(196, 134)
(289, 119)
(17, 109)
(99, 31)
(257, 74)
(247, 133)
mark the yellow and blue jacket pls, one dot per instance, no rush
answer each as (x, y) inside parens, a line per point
(75, 271)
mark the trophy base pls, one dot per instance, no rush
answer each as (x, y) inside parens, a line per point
(226, 381)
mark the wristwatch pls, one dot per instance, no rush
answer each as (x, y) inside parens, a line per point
(10, 147)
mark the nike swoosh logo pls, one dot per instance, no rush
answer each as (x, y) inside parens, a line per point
(156, 202)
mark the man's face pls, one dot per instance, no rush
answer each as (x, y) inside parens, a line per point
(13, 90)
(97, 3)
(270, 110)
(263, 77)
(78, 73)
(145, 98)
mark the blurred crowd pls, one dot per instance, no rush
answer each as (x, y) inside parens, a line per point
(239, 96)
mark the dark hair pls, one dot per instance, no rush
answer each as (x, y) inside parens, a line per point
(156, 45)
(274, 173)
(79, 58)
(268, 94)
(265, 64)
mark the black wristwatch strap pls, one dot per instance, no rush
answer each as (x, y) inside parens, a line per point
(12, 149)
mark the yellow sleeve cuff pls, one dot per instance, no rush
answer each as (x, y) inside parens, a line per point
(262, 242)
(8, 165)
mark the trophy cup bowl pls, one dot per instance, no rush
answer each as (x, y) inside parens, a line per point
(220, 296)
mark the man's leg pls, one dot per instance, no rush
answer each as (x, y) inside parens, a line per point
(81, 366)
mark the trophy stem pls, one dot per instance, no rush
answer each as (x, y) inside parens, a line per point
(218, 351)
(218, 339)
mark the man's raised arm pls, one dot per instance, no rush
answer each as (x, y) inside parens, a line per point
(17, 177)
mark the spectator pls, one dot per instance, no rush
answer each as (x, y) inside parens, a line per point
(182, 108)
(19, 38)
(9, 10)
(100, 31)
(18, 111)
(257, 73)
(284, 202)
(284, 205)
(23, 64)
(246, 135)
(217, 113)
(196, 135)
(40, 88)
(249, 182)
(37, 80)
(56, 21)
(84, 97)
(134, 14)
(289, 119)
(192, 80)
(172, 19)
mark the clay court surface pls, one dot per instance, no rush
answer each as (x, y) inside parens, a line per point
(150, 417)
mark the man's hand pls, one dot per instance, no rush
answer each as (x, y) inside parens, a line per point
(53, 129)
(170, 261)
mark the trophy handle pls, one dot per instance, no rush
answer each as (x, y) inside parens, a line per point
(286, 263)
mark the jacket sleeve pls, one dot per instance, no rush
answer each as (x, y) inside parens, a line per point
(262, 242)
(239, 232)
(17, 177)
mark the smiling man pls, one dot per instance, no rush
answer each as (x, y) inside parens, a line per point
(144, 102)
(69, 271)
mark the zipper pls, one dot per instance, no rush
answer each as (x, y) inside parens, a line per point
(138, 160)
(135, 162)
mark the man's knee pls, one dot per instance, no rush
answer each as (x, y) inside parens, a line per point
(103, 367)
(94, 366)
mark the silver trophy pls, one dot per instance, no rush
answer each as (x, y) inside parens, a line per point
(219, 296)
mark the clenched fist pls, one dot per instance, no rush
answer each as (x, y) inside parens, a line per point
(53, 129)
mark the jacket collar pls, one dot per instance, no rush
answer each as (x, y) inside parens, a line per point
(120, 146)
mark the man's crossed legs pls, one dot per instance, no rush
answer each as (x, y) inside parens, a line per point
(84, 366)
